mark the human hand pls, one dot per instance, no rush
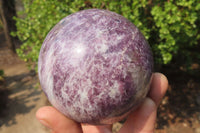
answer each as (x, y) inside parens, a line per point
(141, 120)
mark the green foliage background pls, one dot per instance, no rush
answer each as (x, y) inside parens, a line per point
(171, 27)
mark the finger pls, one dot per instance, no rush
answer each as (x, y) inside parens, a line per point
(142, 120)
(56, 121)
(97, 129)
(158, 88)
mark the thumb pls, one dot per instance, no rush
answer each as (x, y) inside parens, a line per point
(142, 120)
(56, 121)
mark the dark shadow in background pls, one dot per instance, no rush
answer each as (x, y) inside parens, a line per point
(181, 101)
(10, 107)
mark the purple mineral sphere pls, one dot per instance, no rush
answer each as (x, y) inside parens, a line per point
(95, 66)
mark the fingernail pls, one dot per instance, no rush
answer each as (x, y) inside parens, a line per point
(46, 124)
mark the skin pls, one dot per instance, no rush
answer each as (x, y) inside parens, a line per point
(141, 120)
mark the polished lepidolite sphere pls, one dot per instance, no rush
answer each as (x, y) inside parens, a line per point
(95, 66)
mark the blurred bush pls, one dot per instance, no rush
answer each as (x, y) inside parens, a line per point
(171, 27)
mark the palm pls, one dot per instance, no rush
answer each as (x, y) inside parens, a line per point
(141, 120)
(97, 129)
